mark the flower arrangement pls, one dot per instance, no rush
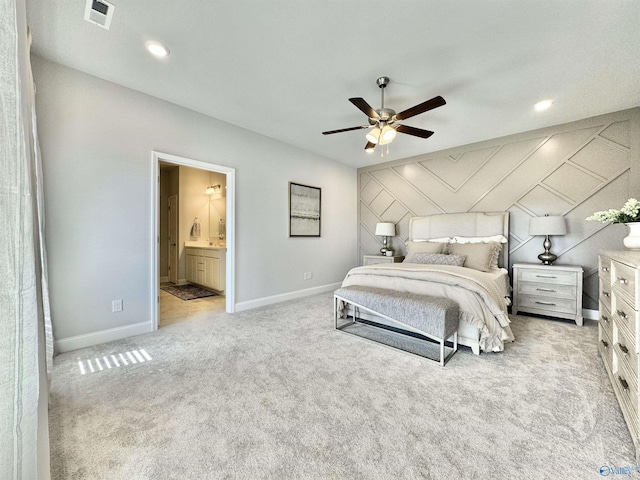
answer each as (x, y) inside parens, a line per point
(630, 212)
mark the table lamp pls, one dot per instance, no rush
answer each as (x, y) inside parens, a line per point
(385, 230)
(547, 226)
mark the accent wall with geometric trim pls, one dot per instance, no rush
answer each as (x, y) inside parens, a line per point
(571, 169)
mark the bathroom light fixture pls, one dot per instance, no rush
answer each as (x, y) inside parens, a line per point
(211, 189)
(542, 105)
(546, 226)
(157, 49)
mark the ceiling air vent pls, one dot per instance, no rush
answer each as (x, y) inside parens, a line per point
(99, 13)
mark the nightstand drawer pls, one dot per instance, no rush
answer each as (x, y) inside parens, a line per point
(547, 290)
(541, 275)
(623, 279)
(548, 304)
(375, 259)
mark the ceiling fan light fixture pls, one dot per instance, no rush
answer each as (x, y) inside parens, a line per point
(374, 135)
(387, 135)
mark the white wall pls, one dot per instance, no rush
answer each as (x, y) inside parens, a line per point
(96, 140)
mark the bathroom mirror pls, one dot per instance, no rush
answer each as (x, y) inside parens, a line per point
(217, 207)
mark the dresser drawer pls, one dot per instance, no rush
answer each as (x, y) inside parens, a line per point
(624, 317)
(547, 290)
(604, 268)
(606, 320)
(628, 399)
(624, 350)
(548, 304)
(605, 348)
(623, 280)
(541, 275)
(605, 293)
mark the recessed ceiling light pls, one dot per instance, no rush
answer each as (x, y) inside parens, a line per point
(542, 105)
(157, 49)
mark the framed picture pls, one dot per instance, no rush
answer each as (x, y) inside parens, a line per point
(304, 210)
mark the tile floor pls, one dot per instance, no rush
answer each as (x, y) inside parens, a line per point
(174, 310)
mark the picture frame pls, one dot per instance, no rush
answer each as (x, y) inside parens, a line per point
(305, 204)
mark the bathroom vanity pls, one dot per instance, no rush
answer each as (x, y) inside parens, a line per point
(206, 265)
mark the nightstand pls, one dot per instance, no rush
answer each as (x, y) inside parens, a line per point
(373, 259)
(553, 290)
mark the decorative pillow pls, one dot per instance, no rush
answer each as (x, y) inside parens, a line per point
(480, 256)
(435, 259)
(424, 247)
(492, 238)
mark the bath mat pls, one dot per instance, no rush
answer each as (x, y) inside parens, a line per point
(188, 292)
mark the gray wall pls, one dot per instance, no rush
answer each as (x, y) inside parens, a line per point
(572, 169)
(97, 138)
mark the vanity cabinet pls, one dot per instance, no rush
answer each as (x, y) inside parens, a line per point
(206, 267)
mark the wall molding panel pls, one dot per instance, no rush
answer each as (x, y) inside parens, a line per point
(572, 169)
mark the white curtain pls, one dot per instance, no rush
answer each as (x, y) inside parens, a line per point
(25, 327)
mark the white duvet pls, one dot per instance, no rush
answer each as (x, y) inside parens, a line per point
(482, 297)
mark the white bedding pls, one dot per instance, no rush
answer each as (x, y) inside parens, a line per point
(482, 297)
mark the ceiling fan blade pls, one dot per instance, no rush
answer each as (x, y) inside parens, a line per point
(364, 107)
(416, 132)
(346, 129)
(435, 102)
(370, 146)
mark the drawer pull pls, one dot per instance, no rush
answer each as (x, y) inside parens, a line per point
(623, 382)
(605, 318)
(545, 290)
(624, 348)
(606, 294)
(605, 269)
(545, 276)
(605, 343)
(546, 303)
(623, 281)
(621, 314)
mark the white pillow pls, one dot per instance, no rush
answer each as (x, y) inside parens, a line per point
(493, 238)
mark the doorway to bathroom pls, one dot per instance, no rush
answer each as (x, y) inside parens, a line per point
(193, 243)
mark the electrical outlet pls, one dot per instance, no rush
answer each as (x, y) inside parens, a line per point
(307, 276)
(116, 305)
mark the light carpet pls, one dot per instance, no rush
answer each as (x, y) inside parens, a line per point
(277, 393)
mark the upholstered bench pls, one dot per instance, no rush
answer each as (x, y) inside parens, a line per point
(433, 317)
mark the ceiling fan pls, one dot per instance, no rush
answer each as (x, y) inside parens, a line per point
(383, 121)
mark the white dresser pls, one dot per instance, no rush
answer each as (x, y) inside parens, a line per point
(618, 330)
(552, 290)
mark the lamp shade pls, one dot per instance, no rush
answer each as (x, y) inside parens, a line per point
(547, 225)
(386, 229)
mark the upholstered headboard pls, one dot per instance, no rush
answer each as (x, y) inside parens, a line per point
(470, 224)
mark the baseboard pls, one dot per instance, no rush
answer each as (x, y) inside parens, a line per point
(588, 314)
(164, 279)
(183, 281)
(261, 302)
(89, 339)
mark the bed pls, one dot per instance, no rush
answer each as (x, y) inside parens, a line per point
(481, 291)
